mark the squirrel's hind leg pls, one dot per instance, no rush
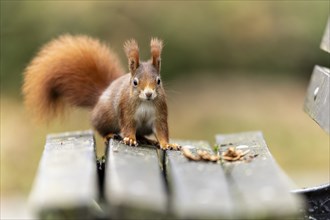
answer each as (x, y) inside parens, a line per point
(146, 141)
(109, 136)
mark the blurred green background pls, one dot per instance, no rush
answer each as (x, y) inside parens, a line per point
(228, 66)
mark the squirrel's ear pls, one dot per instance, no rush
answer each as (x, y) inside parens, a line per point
(132, 52)
(156, 46)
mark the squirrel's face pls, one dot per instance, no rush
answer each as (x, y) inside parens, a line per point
(146, 82)
(145, 79)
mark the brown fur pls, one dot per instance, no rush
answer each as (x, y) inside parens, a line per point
(161, 126)
(70, 70)
(156, 46)
(80, 71)
(132, 52)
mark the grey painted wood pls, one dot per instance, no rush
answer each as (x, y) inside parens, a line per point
(134, 185)
(317, 98)
(259, 187)
(198, 189)
(325, 44)
(66, 182)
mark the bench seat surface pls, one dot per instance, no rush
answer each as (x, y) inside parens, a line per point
(148, 183)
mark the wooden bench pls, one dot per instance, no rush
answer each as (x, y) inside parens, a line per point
(147, 183)
(67, 183)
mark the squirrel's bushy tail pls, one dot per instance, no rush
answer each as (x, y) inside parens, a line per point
(70, 70)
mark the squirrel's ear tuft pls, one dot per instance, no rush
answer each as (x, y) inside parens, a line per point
(156, 46)
(132, 52)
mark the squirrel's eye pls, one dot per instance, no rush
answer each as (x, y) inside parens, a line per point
(135, 82)
(158, 81)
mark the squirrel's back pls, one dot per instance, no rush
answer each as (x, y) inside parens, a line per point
(72, 70)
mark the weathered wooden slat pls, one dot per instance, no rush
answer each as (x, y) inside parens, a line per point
(260, 188)
(198, 190)
(66, 183)
(325, 44)
(134, 184)
(317, 99)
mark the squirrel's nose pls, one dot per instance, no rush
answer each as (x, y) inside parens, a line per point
(148, 95)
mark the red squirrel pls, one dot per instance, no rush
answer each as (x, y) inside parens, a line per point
(83, 72)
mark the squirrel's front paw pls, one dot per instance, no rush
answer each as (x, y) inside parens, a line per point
(130, 141)
(170, 147)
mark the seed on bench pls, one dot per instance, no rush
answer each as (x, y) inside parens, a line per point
(187, 153)
(233, 155)
(214, 158)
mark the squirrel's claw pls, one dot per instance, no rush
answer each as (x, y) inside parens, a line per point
(130, 141)
(171, 147)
